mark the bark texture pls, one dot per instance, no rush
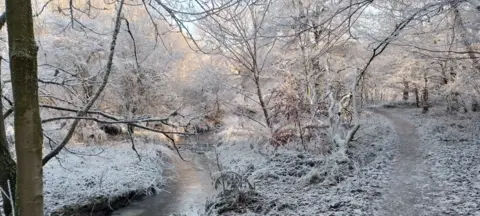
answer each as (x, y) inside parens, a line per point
(28, 130)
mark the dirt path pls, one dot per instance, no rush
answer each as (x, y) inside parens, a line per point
(409, 190)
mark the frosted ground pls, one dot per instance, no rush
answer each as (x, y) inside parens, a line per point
(453, 156)
(290, 181)
(80, 175)
(103, 172)
(445, 175)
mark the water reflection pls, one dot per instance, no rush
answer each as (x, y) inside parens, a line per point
(185, 195)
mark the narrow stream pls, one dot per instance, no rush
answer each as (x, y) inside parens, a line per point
(186, 194)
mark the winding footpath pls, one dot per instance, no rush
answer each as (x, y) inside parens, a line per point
(410, 189)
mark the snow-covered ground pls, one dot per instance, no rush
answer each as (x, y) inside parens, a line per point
(82, 173)
(292, 182)
(452, 143)
(289, 181)
(79, 174)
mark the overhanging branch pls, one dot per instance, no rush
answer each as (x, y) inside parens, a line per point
(87, 107)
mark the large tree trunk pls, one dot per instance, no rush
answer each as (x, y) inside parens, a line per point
(7, 164)
(341, 131)
(28, 130)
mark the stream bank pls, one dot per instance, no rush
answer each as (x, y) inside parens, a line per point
(185, 194)
(96, 179)
(186, 191)
(189, 187)
(186, 182)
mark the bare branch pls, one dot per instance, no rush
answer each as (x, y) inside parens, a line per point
(133, 40)
(97, 93)
(132, 139)
(393, 35)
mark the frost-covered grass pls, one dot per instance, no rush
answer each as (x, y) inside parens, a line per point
(80, 174)
(452, 143)
(83, 175)
(76, 178)
(293, 182)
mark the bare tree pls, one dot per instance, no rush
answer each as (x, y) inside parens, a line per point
(28, 136)
(241, 36)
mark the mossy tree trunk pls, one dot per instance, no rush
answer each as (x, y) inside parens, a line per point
(28, 130)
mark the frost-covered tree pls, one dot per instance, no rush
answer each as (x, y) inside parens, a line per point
(241, 35)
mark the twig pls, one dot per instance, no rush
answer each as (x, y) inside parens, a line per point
(129, 122)
(174, 145)
(130, 129)
(219, 166)
(102, 121)
(10, 102)
(9, 196)
(133, 40)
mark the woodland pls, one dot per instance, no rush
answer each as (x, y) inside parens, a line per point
(300, 107)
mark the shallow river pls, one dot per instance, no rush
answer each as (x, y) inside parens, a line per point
(186, 194)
